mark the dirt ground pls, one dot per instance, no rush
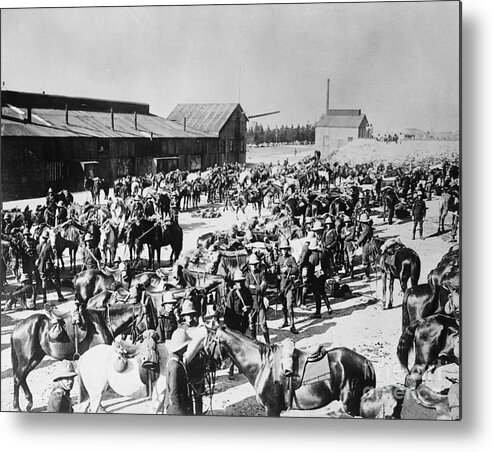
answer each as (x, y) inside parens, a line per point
(358, 323)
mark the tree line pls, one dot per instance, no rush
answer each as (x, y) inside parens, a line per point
(256, 134)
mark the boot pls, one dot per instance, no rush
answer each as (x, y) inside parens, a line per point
(293, 328)
(329, 307)
(285, 323)
(266, 338)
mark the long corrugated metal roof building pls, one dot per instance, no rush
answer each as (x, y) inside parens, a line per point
(56, 141)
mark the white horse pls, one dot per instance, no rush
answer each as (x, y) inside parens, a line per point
(97, 373)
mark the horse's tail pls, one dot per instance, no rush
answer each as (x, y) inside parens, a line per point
(405, 343)
(406, 320)
(415, 270)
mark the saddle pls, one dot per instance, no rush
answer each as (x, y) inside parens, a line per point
(303, 367)
(423, 403)
(144, 354)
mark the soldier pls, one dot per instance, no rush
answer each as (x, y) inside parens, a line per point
(316, 279)
(50, 199)
(288, 270)
(348, 234)
(178, 398)
(46, 266)
(167, 321)
(59, 401)
(364, 241)
(255, 281)
(29, 256)
(238, 305)
(91, 255)
(418, 213)
(61, 213)
(330, 239)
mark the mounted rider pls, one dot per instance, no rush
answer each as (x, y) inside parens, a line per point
(61, 214)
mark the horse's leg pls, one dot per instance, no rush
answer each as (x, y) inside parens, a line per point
(391, 291)
(384, 288)
(20, 379)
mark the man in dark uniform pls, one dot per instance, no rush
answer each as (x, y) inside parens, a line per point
(29, 256)
(288, 271)
(167, 320)
(316, 279)
(178, 398)
(196, 366)
(91, 255)
(238, 305)
(49, 215)
(418, 213)
(255, 281)
(61, 213)
(46, 266)
(59, 401)
(348, 235)
(330, 240)
(364, 241)
(50, 199)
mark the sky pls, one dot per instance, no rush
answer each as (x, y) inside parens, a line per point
(397, 62)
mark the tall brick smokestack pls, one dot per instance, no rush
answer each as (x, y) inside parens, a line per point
(328, 93)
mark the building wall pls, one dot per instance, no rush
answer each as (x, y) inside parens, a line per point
(232, 139)
(329, 139)
(30, 165)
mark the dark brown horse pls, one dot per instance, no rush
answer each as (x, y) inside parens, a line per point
(403, 264)
(346, 376)
(252, 195)
(435, 340)
(90, 282)
(30, 341)
(422, 301)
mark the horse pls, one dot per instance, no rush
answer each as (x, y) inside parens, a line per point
(109, 242)
(422, 301)
(172, 235)
(346, 374)
(435, 340)
(447, 202)
(253, 196)
(30, 341)
(62, 243)
(90, 282)
(403, 264)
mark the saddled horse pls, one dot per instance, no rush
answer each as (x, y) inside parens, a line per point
(253, 196)
(435, 341)
(402, 263)
(30, 341)
(339, 374)
(90, 282)
(109, 241)
(447, 202)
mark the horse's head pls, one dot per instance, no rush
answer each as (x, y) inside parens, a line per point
(212, 344)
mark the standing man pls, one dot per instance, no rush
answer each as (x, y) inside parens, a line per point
(46, 266)
(167, 321)
(364, 241)
(91, 255)
(196, 366)
(316, 279)
(419, 213)
(330, 239)
(59, 401)
(238, 305)
(348, 235)
(255, 281)
(288, 270)
(61, 213)
(50, 199)
(29, 256)
(178, 398)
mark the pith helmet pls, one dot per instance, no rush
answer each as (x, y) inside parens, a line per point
(313, 245)
(179, 341)
(26, 231)
(253, 259)
(364, 218)
(60, 204)
(329, 220)
(238, 276)
(65, 369)
(87, 238)
(187, 307)
(317, 226)
(284, 245)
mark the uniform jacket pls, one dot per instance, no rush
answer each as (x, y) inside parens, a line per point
(59, 401)
(419, 209)
(330, 239)
(88, 260)
(366, 234)
(234, 316)
(255, 282)
(178, 399)
(288, 276)
(46, 257)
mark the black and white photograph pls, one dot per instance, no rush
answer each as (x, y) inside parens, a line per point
(232, 210)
